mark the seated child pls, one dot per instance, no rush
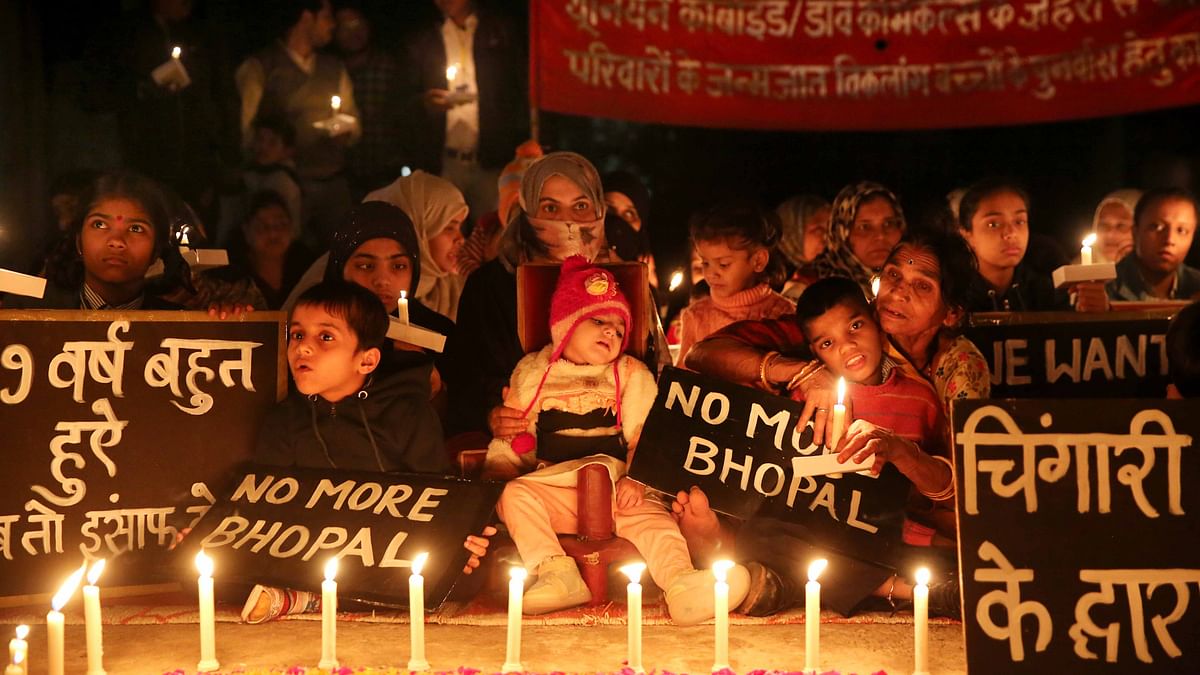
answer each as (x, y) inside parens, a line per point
(899, 420)
(585, 402)
(346, 412)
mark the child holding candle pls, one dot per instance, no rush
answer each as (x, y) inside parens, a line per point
(349, 410)
(584, 402)
(736, 245)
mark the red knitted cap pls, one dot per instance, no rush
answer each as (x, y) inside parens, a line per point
(583, 291)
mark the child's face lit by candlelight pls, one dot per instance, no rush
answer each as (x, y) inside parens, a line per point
(324, 356)
(596, 340)
(849, 343)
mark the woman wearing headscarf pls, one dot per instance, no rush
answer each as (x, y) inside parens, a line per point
(867, 223)
(560, 213)
(1113, 225)
(437, 210)
(805, 233)
(628, 199)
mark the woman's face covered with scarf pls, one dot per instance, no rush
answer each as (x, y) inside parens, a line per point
(564, 204)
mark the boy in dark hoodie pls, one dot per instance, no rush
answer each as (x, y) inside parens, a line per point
(349, 410)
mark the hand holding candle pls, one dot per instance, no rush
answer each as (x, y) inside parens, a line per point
(634, 605)
(721, 618)
(18, 652)
(54, 621)
(208, 625)
(516, 596)
(91, 617)
(416, 615)
(921, 623)
(329, 617)
(812, 616)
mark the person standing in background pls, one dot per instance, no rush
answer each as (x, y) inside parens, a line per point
(290, 78)
(467, 86)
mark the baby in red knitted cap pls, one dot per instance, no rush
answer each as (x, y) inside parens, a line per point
(585, 402)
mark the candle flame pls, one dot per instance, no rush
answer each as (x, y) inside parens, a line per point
(204, 564)
(923, 576)
(841, 390)
(403, 295)
(93, 574)
(816, 567)
(176, 52)
(452, 72)
(418, 563)
(721, 568)
(335, 102)
(1090, 239)
(22, 632)
(875, 287)
(676, 280)
(517, 574)
(331, 569)
(68, 588)
(634, 571)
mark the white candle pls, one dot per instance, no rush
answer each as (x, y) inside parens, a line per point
(329, 617)
(335, 103)
(721, 618)
(416, 615)
(18, 652)
(1085, 253)
(516, 593)
(812, 616)
(839, 415)
(921, 623)
(91, 618)
(54, 621)
(402, 307)
(183, 242)
(176, 52)
(634, 605)
(208, 626)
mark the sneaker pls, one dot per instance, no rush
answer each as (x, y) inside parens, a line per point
(559, 586)
(690, 597)
(765, 594)
(267, 603)
(945, 600)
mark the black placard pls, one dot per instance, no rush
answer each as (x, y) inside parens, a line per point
(1077, 520)
(1067, 354)
(119, 427)
(281, 525)
(739, 445)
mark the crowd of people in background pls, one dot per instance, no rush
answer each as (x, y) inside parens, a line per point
(414, 177)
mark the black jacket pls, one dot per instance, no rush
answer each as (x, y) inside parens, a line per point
(1030, 291)
(388, 426)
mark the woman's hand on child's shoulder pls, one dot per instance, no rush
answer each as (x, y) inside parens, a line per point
(478, 546)
(506, 422)
(227, 310)
(630, 493)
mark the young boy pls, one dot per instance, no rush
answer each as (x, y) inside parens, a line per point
(585, 402)
(346, 412)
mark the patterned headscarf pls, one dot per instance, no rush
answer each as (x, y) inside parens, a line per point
(793, 214)
(838, 260)
(559, 239)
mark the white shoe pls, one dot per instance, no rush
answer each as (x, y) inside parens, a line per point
(558, 587)
(690, 597)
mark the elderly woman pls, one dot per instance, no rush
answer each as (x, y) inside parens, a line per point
(1113, 225)
(920, 304)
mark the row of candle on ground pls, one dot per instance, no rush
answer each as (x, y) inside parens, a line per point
(18, 648)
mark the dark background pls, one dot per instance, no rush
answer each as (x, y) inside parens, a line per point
(48, 126)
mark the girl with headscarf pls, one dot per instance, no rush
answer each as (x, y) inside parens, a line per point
(437, 210)
(1113, 225)
(804, 235)
(867, 223)
(628, 199)
(560, 213)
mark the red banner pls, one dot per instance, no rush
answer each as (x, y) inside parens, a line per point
(862, 64)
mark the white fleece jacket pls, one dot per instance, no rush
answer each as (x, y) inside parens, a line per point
(575, 389)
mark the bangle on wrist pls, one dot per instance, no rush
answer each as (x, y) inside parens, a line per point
(948, 491)
(763, 365)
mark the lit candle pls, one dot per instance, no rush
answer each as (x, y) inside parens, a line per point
(1085, 253)
(208, 626)
(402, 307)
(812, 616)
(18, 652)
(451, 74)
(676, 280)
(839, 415)
(91, 618)
(54, 621)
(634, 605)
(921, 622)
(875, 287)
(516, 592)
(335, 103)
(176, 52)
(183, 242)
(416, 615)
(721, 618)
(329, 617)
